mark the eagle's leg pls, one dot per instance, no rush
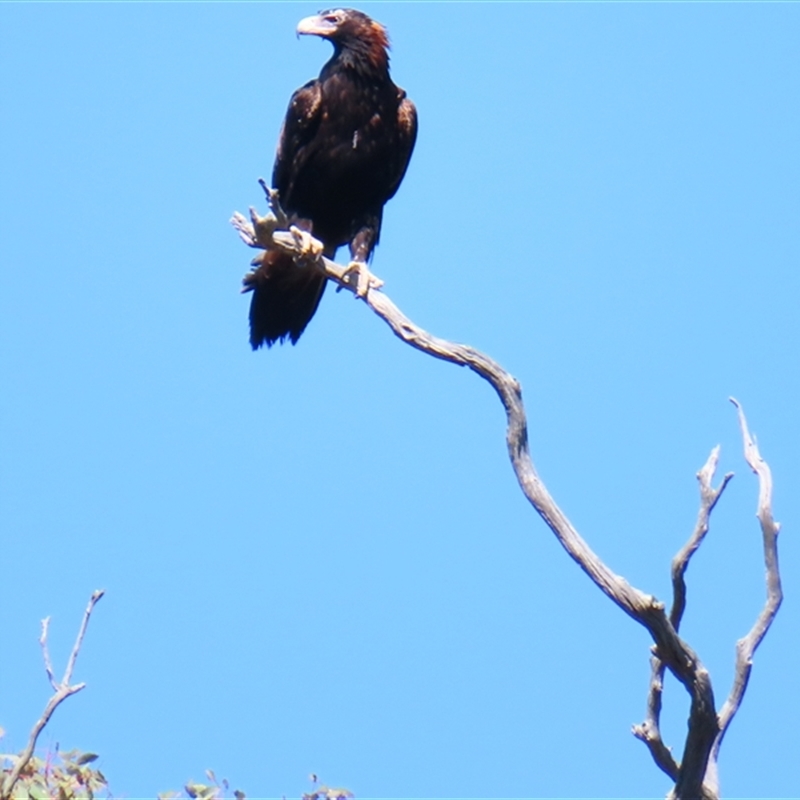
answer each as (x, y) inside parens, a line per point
(361, 247)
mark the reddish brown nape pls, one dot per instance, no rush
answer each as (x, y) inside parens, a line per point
(379, 44)
(379, 34)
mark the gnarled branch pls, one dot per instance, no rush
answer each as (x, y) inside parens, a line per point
(650, 731)
(746, 647)
(669, 651)
(708, 499)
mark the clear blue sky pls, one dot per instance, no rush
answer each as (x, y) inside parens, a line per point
(317, 558)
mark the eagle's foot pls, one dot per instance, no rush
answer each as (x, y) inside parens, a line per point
(357, 272)
(307, 245)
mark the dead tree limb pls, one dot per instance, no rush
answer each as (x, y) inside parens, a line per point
(746, 647)
(670, 651)
(62, 691)
(650, 731)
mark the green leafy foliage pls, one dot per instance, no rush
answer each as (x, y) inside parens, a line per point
(215, 790)
(322, 792)
(57, 776)
(71, 776)
(219, 790)
(328, 793)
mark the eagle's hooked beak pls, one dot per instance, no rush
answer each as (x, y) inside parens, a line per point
(316, 26)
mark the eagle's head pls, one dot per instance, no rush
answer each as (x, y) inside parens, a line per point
(351, 32)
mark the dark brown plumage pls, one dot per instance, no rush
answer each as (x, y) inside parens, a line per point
(342, 152)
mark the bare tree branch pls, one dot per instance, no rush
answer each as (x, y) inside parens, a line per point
(650, 731)
(96, 595)
(63, 691)
(746, 647)
(48, 664)
(669, 651)
(708, 499)
(679, 658)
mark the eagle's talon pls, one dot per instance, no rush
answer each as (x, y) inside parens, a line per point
(357, 272)
(309, 246)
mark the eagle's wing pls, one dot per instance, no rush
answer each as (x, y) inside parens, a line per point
(406, 137)
(298, 129)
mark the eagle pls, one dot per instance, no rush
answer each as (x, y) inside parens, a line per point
(342, 152)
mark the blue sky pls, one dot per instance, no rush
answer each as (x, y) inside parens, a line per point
(317, 558)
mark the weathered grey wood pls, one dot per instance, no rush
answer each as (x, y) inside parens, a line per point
(695, 775)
